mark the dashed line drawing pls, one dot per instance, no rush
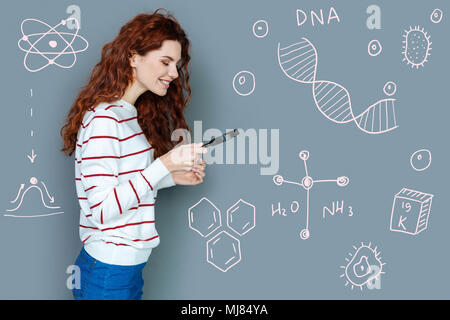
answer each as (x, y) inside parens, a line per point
(416, 47)
(307, 183)
(260, 28)
(298, 62)
(374, 48)
(420, 160)
(362, 266)
(436, 15)
(62, 42)
(33, 185)
(410, 211)
(244, 83)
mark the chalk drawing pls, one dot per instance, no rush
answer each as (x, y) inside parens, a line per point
(223, 250)
(244, 83)
(374, 48)
(307, 183)
(50, 46)
(362, 266)
(410, 211)
(33, 185)
(420, 160)
(416, 46)
(436, 15)
(298, 62)
(260, 28)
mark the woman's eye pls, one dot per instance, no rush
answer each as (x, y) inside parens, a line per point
(165, 63)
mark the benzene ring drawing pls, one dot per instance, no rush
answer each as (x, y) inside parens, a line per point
(307, 183)
(298, 62)
(51, 47)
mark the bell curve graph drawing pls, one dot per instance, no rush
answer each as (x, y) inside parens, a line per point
(299, 60)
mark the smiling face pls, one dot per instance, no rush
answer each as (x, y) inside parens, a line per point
(157, 69)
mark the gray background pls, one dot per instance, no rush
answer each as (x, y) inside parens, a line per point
(276, 263)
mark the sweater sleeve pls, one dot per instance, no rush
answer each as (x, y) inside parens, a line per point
(166, 182)
(100, 154)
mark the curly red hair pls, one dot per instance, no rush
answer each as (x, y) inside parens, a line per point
(158, 116)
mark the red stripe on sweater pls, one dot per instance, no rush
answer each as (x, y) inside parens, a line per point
(96, 205)
(146, 181)
(128, 225)
(132, 187)
(117, 199)
(98, 175)
(111, 137)
(132, 171)
(113, 105)
(107, 117)
(115, 157)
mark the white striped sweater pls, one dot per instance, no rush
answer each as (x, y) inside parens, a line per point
(117, 182)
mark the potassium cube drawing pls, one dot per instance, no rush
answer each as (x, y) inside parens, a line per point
(410, 211)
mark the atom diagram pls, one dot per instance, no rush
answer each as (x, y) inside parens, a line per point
(51, 46)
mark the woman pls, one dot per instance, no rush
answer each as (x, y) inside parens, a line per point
(119, 128)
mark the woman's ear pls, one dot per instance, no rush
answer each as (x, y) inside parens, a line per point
(134, 58)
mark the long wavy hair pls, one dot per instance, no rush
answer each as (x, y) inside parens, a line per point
(158, 116)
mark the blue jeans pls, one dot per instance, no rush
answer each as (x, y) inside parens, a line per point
(102, 281)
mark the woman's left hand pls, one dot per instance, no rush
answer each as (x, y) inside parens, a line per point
(189, 178)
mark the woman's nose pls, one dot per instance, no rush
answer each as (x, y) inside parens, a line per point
(173, 73)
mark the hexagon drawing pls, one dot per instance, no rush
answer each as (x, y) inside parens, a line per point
(241, 217)
(223, 251)
(204, 217)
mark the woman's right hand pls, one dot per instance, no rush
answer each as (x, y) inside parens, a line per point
(185, 157)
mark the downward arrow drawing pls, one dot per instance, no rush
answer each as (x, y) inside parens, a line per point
(33, 155)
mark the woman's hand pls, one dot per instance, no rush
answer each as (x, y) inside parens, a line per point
(184, 158)
(191, 177)
(187, 178)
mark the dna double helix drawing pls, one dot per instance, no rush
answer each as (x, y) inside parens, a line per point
(299, 60)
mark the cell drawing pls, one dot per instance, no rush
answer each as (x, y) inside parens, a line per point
(223, 251)
(416, 46)
(299, 62)
(204, 217)
(244, 83)
(50, 46)
(260, 28)
(362, 266)
(374, 48)
(390, 88)
(420, 160)
(307, 182)
(436, 15)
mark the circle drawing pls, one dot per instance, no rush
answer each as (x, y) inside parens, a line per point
(420, 160)
(390, 88)
(260, 28)
(244, 83)
(374, 48)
